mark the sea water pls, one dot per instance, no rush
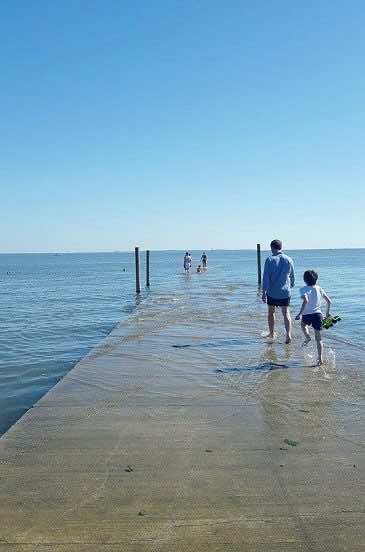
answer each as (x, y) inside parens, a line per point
(56, 307)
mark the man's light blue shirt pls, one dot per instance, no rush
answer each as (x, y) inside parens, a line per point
(278, 276)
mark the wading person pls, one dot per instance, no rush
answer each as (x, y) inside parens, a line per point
(187, 262)
(204, 260)
(278, 279)
(311, 312)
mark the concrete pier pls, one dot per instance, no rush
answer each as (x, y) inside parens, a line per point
(150, 444)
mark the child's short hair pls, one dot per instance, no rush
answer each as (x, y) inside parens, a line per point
(310, 277)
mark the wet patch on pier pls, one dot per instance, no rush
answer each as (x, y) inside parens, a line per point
(265, 366)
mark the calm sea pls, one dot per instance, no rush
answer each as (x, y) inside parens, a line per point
(55, 308)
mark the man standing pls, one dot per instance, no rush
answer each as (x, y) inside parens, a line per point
(204, 260)
(187, 262)
(277, 282)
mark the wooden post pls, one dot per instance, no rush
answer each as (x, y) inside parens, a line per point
(136, 256)
(147, 268)
(259, 265)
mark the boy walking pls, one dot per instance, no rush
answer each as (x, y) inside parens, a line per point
(310, 311)
(277, 281)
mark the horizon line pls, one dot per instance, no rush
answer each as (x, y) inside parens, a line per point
(118, 251)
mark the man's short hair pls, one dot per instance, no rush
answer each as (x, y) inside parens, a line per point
(310, 277)
(276, 244)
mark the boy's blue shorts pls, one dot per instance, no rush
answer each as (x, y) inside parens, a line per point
(314, 320)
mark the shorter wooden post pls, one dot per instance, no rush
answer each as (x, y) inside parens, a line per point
(258, 264)
(147, 268)
(136, 256)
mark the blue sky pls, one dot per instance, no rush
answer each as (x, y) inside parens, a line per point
(181, 124)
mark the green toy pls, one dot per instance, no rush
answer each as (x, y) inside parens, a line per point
(330, 321)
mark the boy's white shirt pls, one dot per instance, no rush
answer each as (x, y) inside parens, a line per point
(314, 295)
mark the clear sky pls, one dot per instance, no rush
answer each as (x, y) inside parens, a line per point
(181, 124)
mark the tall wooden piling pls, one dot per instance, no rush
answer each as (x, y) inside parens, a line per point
(258, 264)
(136, 257)
(147, 268)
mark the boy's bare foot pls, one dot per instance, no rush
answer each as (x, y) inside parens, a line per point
(320, 362)
(306, 341)
(288, 340)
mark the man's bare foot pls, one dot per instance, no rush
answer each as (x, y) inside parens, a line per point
(288, 340)
(306, 341)
(268, 335)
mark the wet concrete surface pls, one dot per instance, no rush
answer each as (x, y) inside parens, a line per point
(144, 446)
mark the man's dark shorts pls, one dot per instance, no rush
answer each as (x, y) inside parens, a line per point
(278, 302)
(314, 320)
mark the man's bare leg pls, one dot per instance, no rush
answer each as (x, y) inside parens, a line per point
(287, 323)
(271, 320)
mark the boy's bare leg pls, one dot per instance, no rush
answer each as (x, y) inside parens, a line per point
(271, 320)
(318, 336)
(306, 334)
(287, 323)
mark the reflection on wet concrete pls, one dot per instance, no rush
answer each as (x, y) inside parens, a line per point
(216, 343)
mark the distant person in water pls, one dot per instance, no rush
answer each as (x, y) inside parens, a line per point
(278, 279)
(310, 311)
(187, 262)
(199, 269)
(204, 260)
